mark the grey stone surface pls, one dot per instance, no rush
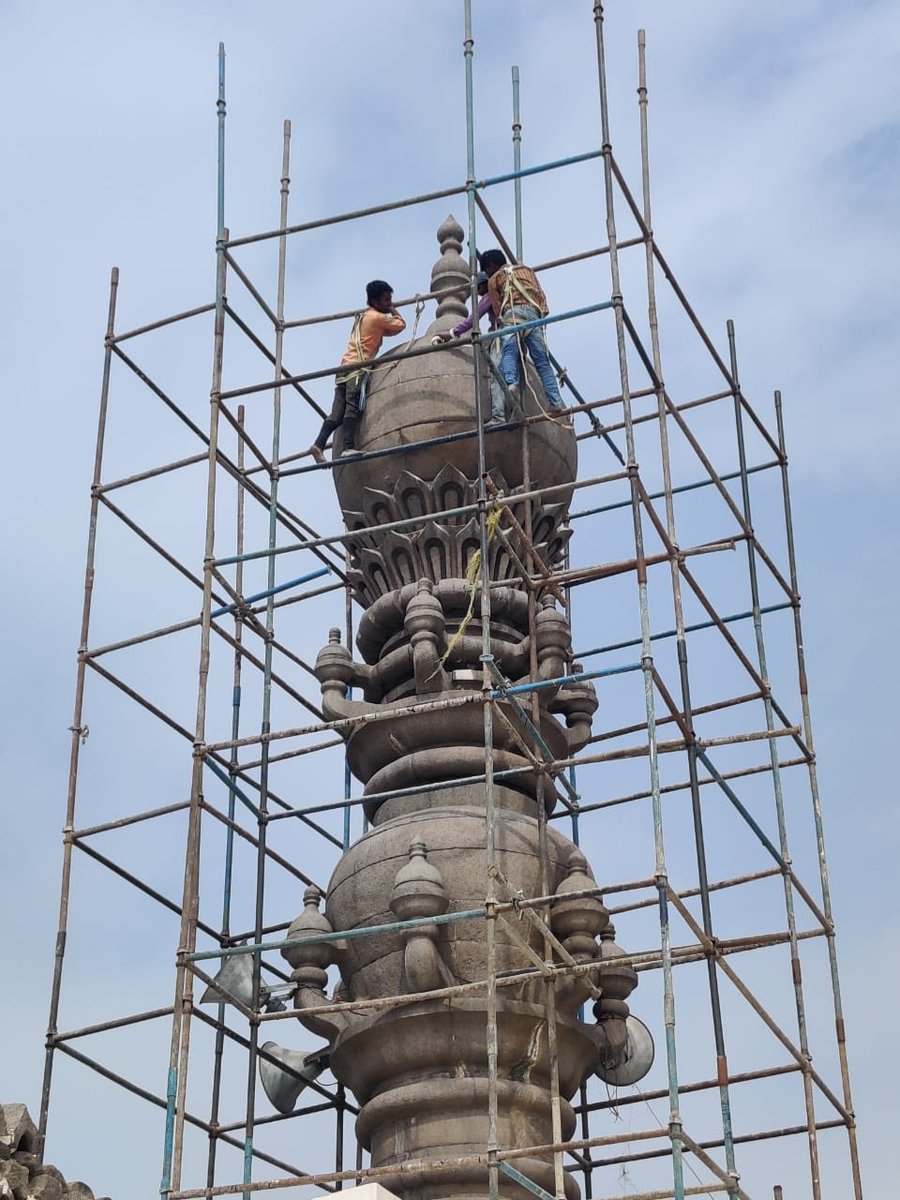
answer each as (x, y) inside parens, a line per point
(13, 1179)
(17, 1130)
(22, 1175)
(45, 1187)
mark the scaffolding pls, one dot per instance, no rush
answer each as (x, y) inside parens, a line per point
(701, 770)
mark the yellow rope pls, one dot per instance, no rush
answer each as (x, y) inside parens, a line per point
(395, 362)
(473, 570)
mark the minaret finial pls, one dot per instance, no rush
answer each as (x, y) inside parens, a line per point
(450, 274)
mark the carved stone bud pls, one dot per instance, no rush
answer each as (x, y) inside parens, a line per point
(334, 663)
(576, 921)
(424, 614)
(418, 887)
(309, 962)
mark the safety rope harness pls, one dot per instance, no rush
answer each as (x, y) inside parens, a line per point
(513, 286)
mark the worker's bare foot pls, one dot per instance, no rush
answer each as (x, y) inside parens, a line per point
(316, 452)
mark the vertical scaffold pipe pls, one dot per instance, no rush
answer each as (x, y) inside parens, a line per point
(799, 1003)
(348, 778)
(183, 1004)
(517, 160)
(680, 636)
(77, 729)
(266, 720)
(219, 1050)
(840, 1033)
(675, 1128)
(486, 679)
(543, 847)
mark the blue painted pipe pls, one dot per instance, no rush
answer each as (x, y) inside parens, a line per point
(272, 591)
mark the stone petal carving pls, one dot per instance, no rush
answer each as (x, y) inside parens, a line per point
(441, 549)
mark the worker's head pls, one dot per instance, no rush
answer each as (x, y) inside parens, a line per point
(491, 261)
(481, 282)
(379, 295)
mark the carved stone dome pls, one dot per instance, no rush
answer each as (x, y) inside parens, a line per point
(431, 396)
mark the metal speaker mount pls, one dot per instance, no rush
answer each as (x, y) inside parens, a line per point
(235, 976)
(634, 1061)
(284, 1084)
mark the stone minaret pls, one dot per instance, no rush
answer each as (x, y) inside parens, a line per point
(419, 1070)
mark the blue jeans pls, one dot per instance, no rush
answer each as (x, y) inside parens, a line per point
(535, 342)
(498, 399)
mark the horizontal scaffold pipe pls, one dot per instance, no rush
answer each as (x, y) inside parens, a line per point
(136, 1090)
(415, 1166)
(395, 356)
(423, 519)
(645, 960)
(678, 489)
(369, 718)
(164, 321)
(411, 201)
(394, 793)
(347, 314)
(669, 788)
(393, 926)
(272, 591)
(670, 633)
(538, 323)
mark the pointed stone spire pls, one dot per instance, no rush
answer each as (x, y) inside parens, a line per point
(450, 274)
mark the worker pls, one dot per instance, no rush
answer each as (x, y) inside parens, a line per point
(485, 309)
(517, 298)
(379, 320)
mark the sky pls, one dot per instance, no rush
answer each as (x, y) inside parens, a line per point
(774, 139)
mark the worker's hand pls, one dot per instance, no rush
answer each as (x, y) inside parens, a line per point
(440, 338)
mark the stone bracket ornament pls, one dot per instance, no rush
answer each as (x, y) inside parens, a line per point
(337, 672)
(577, 920)
(425, 624)
(309, 963)
(577, 702)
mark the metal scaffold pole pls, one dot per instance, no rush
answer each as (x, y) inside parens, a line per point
(686, 715)
(675, 1124)
(840, 1032)
(78, 728)
(266, 722)
(228, 877)
(796, 972)
(176, 1088)
(485, 589)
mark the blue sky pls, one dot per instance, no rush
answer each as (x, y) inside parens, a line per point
(775, 170)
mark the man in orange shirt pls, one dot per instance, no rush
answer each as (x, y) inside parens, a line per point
(378, 321)
(517, 298)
